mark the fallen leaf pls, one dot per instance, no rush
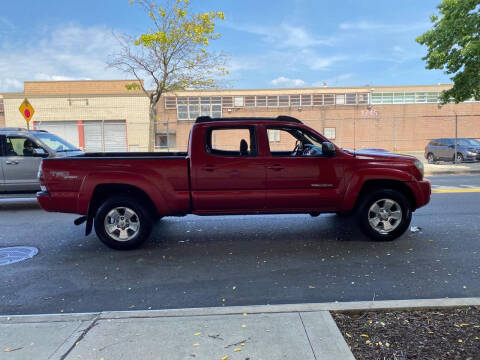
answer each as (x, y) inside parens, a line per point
(197, 333)
(311, 287)
(244, 314)
(367, 342)
(242, 344)
(234, 287)
(460, 340)
(244, 326)
(237, 349)
(364, 335)
(348, 335)
(387, 344)
(196, 344)
(224, 358)
(430, 332)
(464, 324)
(382, 323)
(223, 300)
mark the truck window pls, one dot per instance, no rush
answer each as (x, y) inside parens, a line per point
(284, 141)
(239, 141)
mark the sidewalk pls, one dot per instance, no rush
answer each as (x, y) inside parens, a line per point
(302, 331)
(446, 168)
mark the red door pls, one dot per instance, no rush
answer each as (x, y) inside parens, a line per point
(226, 178)
(297, 183)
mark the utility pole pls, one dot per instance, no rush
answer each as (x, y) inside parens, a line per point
(456, 137)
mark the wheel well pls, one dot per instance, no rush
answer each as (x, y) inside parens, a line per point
(104, 191)
(386, 184)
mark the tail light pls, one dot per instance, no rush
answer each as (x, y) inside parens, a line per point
(41, 178)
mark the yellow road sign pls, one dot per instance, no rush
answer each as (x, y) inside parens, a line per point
(26, 109)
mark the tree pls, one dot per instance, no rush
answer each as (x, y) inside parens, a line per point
(173, 54)
(454, 46)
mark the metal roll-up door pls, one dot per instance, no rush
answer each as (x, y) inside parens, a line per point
(115, 136)
(92, 131)
(67, 130)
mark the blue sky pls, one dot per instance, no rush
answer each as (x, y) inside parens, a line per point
(281, 43)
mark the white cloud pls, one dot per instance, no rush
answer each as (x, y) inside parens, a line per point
(370, 26)
(70, 52)
(322, 63)
(284, 35)
(286, 82)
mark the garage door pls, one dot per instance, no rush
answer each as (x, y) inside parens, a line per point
(67, 130)
(105, 136)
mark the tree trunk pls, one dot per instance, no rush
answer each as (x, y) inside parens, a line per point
(152, 126)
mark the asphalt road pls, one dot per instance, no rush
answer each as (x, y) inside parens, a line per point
(242, 260)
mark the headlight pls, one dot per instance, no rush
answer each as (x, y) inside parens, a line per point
(419, 165)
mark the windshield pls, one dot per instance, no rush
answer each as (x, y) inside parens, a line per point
(55, 143)
(468, 142)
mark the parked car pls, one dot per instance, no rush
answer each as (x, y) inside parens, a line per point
(122, 194)
(21, 152)
(444, 149)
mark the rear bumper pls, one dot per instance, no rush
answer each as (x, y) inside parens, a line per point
(421, 191)
(57, 202)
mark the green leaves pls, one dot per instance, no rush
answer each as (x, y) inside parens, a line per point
(454, 46)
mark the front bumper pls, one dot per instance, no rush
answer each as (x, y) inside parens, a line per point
(421, 191)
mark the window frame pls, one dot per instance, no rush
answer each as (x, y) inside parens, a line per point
(232, 154)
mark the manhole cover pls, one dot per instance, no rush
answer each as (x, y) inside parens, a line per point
(15, 254)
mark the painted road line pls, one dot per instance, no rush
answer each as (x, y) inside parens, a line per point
(453, 191)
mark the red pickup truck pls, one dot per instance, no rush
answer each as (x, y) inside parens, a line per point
(122, 194)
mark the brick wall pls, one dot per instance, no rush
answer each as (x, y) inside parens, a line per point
(405, 127)
(78, 87)
(2, 113)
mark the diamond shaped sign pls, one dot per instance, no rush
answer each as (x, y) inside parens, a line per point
(26, 109)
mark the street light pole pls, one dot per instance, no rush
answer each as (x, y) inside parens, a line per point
(456, 136)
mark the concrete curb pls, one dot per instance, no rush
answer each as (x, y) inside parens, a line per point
(451, 172)
(254, 309)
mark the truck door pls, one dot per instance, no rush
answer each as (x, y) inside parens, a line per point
(227, 173)
(300, 182)
(20, 164)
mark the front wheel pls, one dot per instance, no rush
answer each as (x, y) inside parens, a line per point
(123, 223)
(384, 215)
(459, 158)
(431, 158)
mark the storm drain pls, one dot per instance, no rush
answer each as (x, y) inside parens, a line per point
(15, 254)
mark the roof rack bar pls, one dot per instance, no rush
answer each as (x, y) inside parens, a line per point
(203, 119)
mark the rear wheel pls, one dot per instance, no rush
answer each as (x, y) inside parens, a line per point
(123, 223)
(430, 158)
(384, 215)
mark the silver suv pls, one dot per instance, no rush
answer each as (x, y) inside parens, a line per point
(21, 152)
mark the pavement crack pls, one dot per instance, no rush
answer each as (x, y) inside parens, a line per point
(308, 337)
(80, 337)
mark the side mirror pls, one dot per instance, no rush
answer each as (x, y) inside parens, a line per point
(328, 148)
(39, 152)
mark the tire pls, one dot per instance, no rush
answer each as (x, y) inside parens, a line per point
(431, 158)
(397, 213)
(459, 158)
(123, 223)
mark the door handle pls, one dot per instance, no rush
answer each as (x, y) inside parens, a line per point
(10, 162)
(209, 168)
(276, 167)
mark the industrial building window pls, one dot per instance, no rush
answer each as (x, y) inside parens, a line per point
(294, 100)
(306, 100)
(409, 98)
(420, 98)
(249, 101)
(377, 98)
(329, 133)
(317, 100)
(398, 98)
(227, 102)
(283, 101)
(238, 101)
(261, 101)
(164, 141)
(363, 99)
(189, 108)
(351, 99)
(272, 101)
(170, 102)
(328, 99)
(432, 97)
(273, 135)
